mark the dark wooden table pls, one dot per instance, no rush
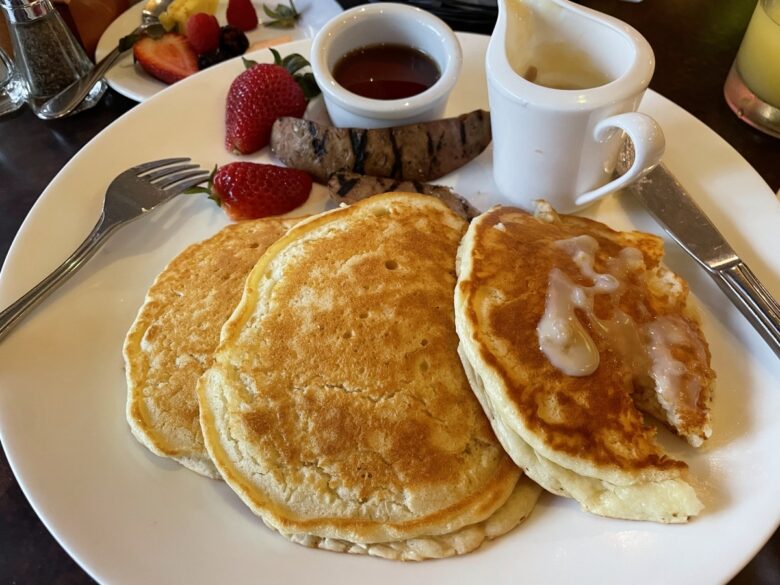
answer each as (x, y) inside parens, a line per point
(695, 42)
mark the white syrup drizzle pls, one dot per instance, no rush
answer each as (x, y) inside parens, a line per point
(671, 375)
(562, 338)
(647, 350)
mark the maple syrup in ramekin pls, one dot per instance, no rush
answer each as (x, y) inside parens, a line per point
(386, 71)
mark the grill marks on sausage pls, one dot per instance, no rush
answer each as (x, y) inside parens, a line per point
(317, 142)
(397, 157)
(347, 187)
(357, 139)
(343, 184)
(417, 152)
(387, 188)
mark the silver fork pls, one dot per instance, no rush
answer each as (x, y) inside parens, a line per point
(132, 194)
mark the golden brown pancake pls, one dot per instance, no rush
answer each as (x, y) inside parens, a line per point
(171, 342)
(582, 435)
(337, 408)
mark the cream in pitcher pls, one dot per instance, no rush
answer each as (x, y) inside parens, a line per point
(564, 84)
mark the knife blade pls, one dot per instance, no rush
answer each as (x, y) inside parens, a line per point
(676, 211)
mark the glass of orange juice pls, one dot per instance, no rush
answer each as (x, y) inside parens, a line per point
(752, 88)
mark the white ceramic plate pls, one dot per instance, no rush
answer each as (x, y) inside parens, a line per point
(128, 516)
(132, 81)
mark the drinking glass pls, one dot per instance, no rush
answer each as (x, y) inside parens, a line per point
(12, 89)
(752, 87)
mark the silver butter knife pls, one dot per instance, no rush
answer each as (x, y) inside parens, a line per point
(671, 205)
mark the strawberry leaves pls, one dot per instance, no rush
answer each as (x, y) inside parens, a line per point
(308, 85)
(293, 63)
(282, 16)
(208, 189)
(154, 31)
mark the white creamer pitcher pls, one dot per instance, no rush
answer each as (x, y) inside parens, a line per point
(564, 83)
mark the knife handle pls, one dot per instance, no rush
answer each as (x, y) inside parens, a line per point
(753, 300)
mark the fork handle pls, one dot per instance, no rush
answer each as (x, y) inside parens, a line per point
(18, 310)
(753, 300)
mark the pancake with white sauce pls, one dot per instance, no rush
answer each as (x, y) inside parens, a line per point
(174, 335)
(567, 330)
(337, 407)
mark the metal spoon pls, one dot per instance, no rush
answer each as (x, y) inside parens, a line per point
(69, 98)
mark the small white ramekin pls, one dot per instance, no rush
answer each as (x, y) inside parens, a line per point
(374, 24)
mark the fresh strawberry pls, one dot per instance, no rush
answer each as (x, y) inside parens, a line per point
(169, 58)
(260, 95)
(248, 190)
(241, 14)
(203, 32)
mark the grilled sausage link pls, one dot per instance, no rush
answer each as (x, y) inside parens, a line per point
(347, 187)
(417, 152)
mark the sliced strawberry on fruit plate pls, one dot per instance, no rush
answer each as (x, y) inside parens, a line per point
(248, 190)
(260, 95)
(169, 58)
(242, 14)
(203, 32)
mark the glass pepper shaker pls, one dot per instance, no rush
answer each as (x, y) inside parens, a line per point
(47, 56)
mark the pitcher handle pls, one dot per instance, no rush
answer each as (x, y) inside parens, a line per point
(649, 145)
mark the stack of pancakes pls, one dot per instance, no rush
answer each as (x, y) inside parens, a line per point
(582, 436)
(173, 338)
(334, 402)
(315, 366)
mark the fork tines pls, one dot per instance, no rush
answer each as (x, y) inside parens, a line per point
(171, 173)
